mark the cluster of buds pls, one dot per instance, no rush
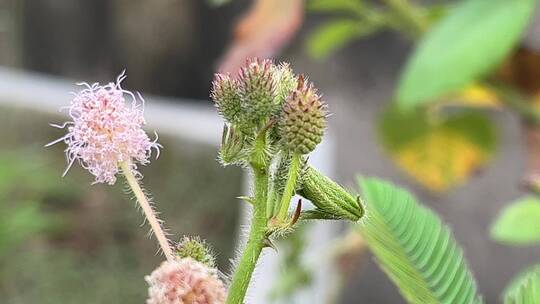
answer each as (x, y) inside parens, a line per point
(273, 119)
(195, 248)
(268, 97)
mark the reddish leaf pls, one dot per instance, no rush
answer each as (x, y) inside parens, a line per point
(266, 28)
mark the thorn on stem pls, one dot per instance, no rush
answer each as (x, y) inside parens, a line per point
(247, 199)
(359, 201)
(297, 212)
(268, 243)
(224, 134)
(270, 123)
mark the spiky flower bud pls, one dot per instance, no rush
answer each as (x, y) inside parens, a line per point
(303, 119)
(185, 281)
(225, 94)
(196, 249)
(258, 90)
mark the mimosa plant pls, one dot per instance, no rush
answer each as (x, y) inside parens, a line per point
(273, 119)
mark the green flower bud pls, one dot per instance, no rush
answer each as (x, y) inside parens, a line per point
(258, 91)
(225, 94)
(331, 200)
(303, 119)
(285, 80)
(232, 150)
(196, 249)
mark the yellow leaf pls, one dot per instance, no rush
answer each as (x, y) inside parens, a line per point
(536, 101)
(474, 96)
(479, 96)
(263, 31)
(438, 153)
(440, 159)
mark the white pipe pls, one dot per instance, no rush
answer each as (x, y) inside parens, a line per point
(191, 120)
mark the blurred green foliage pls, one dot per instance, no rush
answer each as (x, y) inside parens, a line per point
(25, 183)
(356, 19)
(465, 45)
(519, 223)
(61, 276)
(457, 44)
(335, 34)
(294, 273)
(217, 3)
(525, 288)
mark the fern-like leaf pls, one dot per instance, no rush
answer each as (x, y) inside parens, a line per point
(525, 289)
(414, 247)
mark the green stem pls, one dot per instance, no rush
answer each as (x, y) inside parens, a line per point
(271, 200)
(409, 15)
(290, 187)
(149, 213)
(518, 103)
(255, 242)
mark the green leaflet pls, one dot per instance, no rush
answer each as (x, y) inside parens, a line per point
(465, 45)
(217, 3)
(414, 247)
(334, 35)
(346, 6)
(519, 223)
(525, 288)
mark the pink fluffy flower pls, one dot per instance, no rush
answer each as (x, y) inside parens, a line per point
(106, 130)
(185, 281)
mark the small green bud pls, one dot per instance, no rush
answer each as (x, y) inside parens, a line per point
(330, 199)
(232, 149)
(196, 249)
(285, 80)
(258, 91)
(303, 119)
(226, 97)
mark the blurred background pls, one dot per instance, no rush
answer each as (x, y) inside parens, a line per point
(63, 240)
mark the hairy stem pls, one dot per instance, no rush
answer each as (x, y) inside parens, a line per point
(148, 211)
(255, 242)
(290, 187)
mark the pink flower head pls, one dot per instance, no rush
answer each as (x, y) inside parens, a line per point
(185, 281)
(106, 130)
